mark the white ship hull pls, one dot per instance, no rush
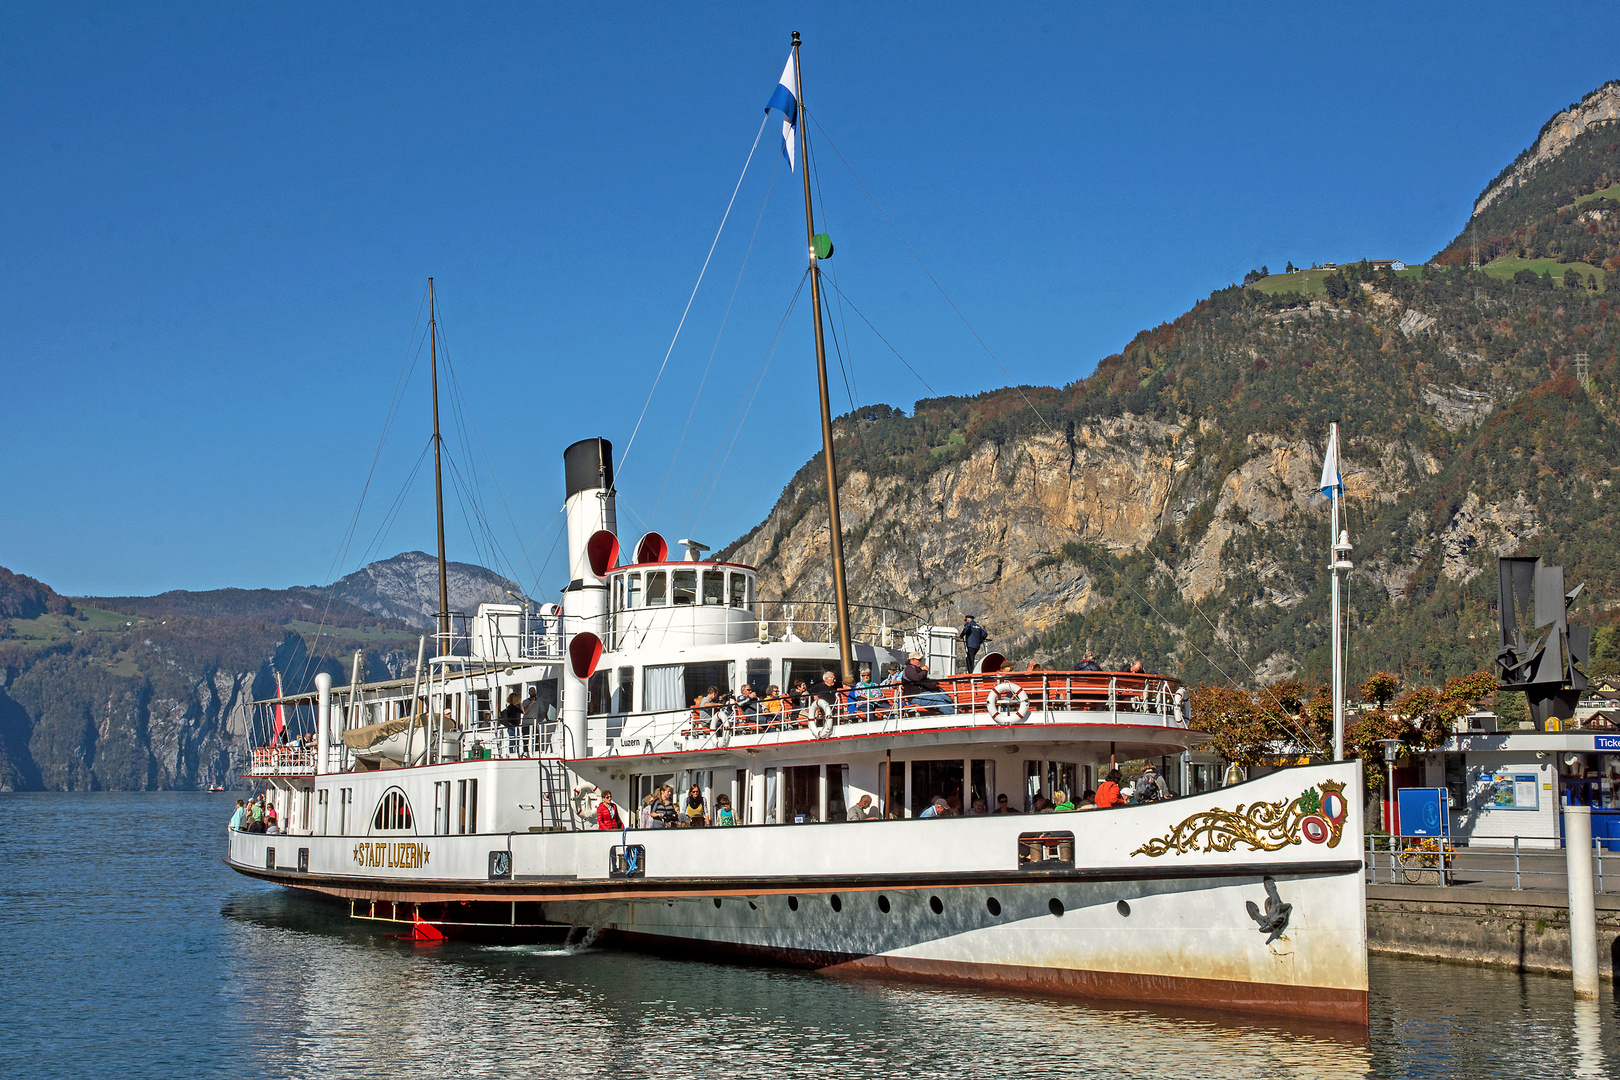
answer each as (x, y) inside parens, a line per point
(1152, 909)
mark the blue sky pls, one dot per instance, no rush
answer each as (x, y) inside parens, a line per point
(220, 219)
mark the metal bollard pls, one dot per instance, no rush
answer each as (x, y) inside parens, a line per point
(1517, 882)
(1582, 907)
(1599, 845)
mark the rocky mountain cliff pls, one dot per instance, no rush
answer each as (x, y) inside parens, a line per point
(1601, 106)
(406, 587)
(1165, 507)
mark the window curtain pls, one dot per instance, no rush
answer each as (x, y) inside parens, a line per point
(664, 686)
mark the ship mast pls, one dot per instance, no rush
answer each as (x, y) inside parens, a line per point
(438, 474)
(846, 653)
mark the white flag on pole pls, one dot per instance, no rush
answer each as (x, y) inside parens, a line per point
(785, 99)
(1331, 480)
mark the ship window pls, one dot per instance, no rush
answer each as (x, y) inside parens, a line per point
(394, 812)
(656, 594)
(742, 592)
(633, 590)
(714, 588)
(597, 702)
(685, 587)
(759, 674)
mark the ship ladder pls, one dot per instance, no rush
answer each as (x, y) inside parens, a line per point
(554, 795)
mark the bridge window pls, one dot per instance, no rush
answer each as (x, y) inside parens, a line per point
(657, 586)
(685, 587)
(633, 590)
(714, 588)
(393, 812)
(742, 590)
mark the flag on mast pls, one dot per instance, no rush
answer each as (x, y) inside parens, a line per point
(786, 101)
(1331, 480)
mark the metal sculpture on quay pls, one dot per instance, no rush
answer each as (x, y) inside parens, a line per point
(1548, 672)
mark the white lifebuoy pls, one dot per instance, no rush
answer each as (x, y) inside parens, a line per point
(1182, 706)
(1000, 704)
(822, 718)
(585, 800)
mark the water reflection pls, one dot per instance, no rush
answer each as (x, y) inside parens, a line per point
(358, 999)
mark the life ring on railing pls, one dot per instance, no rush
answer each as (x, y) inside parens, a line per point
(823, 718)
(1182, 706)
(1000, 704)
(585, 800)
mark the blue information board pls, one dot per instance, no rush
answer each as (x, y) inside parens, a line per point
(1424, 812)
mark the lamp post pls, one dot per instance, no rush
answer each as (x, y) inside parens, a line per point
(1391, 747)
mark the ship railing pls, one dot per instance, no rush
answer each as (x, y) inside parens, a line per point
(990, 700)
(282, 761)
(772, 620)
(817, 620)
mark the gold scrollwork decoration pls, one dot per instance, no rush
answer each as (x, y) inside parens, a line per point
(1261, 826)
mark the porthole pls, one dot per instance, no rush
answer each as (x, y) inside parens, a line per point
(717, 901)
(935, 905)
(993, 906)
(1055, 906)
(883, 904)
(837, 904)
(793, 903)
(1123, 908)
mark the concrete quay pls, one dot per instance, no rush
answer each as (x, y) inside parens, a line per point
(1517, 929)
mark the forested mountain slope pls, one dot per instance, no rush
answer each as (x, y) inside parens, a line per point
(1165, 507)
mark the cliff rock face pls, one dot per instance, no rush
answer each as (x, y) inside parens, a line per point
(1600, 106)
(980, 536)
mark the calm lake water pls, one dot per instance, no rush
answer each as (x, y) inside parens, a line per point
(131, 951)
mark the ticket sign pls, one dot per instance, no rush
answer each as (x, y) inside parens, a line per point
(1423, 812)
(1606, 742)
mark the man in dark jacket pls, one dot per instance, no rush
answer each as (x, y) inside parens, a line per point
(974, 637)
(921, 691)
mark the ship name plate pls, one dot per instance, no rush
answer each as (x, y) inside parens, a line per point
(407, 855)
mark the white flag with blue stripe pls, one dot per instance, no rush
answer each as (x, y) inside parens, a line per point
(786, 101)
(1331, 480)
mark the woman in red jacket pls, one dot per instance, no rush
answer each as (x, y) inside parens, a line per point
(607, 815)
(1108, 793)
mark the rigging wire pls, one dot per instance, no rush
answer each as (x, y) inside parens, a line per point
(929, 273)
(881, 338)
(845, 371)
(745, 405)
(698, 284)
(673, 458)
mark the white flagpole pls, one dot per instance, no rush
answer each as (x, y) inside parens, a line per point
(1338, 644)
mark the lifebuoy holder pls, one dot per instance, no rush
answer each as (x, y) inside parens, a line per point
(1008, 703)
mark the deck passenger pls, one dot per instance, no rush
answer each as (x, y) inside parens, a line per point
(773, 708)
(747, 708)
(864, 698)
(1109, 794)
(696, 812)
(1088, 800)
(939, 809)
(1003, 807)
(236, 818)
(1150, 786)
(795, 703)
(980, 807)
(664, 808)
(829, 691)
(863, 810)
(1062, 803)
(1089, 663)
(511, 716)
(921, 692)
(722, 811)
(607, 815)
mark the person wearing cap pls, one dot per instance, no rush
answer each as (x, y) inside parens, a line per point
(939, 809)
(920, 691)
(973, 637)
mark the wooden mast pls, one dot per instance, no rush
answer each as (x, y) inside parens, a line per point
(846, 653)
(438, 476)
